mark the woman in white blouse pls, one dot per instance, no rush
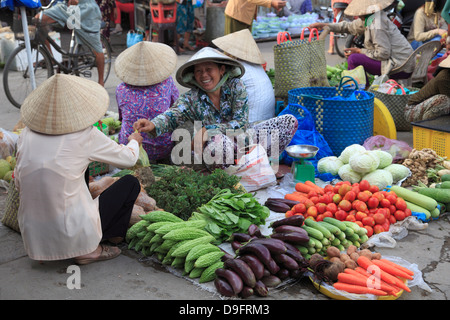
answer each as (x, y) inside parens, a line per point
(57, 216)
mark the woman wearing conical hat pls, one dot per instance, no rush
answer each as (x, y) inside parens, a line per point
(261, 98)
(217, 101)
(147, 90)
(433, 99)
(58, 218)
(385, 48)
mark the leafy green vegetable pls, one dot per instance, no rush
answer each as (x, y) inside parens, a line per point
(182, 190)
(228, 212)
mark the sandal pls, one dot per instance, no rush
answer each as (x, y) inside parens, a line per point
(107, 253)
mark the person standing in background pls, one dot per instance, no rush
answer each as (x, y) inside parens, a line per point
(424, 27)
(107, 10)
(185, 22)
(335, 13)
(239, 14)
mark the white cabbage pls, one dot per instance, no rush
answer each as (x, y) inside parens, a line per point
(364, 162)
(349, 151)
(347, 174)
(385, 158)
(380, 177)
(398, 171)
(329, 165)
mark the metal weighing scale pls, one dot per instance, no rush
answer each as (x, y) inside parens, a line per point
(301, 169)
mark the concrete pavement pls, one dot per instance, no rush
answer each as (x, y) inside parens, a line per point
(130, 277)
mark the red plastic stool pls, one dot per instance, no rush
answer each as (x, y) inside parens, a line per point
(163, 13)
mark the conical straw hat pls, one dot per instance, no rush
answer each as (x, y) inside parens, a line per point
(146, 63)
(445, 63)
(185, 72)
(365, 7)
(241, 45)
(64, 104)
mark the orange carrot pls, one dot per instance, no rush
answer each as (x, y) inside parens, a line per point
(411, 273)
(295, 197)
(351, 288)
(353, 277)
(392, 270)
(390, 279)
(301, 187)
(314, 186)
(366, 274)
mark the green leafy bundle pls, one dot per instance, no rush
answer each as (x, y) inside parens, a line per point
(228, 212)
(182, 190)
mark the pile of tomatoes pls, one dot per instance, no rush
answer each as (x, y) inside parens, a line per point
(361, 203)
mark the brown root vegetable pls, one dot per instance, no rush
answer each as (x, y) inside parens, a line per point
(98, 186)
(366, 253)
(315, 258)
(135, 214)
(344, 257)
(145, 201)
(376, 256)
(354, 256)
(333, 252)
(351, 248)
(334, 259)
(350, 264)
(332, 271)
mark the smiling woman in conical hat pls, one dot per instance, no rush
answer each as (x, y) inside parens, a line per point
(385, 47)
(261, 97)
(433, 99)
(147, 90)
(218, 100)
(58, 216)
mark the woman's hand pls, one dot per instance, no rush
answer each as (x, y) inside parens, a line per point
(318, 25)
(350, 51)
(143, 125)
(277, 4)
(136, 136)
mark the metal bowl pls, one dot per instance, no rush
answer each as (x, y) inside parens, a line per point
(302, 151)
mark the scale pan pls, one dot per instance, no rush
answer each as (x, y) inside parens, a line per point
(302, 151)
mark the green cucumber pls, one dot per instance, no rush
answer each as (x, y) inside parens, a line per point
(333, 229)
(335, 222)
(415, 208)
(445, 177)
(312, 232)
(318, 244)
(314, 224)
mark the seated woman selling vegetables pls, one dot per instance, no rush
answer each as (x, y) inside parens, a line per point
(433, 99)
(218, 100)
(58, 217)
(385, 48)
(147, 90)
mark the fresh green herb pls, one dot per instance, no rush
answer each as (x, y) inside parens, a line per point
(182, 190)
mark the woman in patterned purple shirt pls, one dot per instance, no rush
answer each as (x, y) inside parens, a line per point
(147, 90)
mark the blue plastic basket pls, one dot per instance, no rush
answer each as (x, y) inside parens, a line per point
(343, 116)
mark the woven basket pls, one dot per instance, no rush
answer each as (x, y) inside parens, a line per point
(396, 105)
(341, 122)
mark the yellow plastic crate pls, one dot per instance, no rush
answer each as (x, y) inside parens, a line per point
(434, 134)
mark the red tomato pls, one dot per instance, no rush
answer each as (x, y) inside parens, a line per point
(350, 217)
(327, 214)
(299, 208)
(289, 213)
(379, 218)
(312, 211)
(364, 185)
(385, 203)
(399, 215)
(378, 228)
(392, 198)
(369, 230)
(407, 212)
(345, 205)
(368, 221)
(340, 215)
(386, 225)
(350, 196)
(400, 204)
(374, 188)
(392, 219)
(359, 223)
(320, 217)
(360, 215)
(363, 196)
(373, 202)
(321, 207)
(332, 207)
(314, 199)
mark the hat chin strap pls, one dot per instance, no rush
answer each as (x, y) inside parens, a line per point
(235, 72)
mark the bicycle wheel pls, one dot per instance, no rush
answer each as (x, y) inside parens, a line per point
(16, 78)
(340, 39)
(85, 64)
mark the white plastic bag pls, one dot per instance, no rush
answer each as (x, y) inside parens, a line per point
(7, 143)
(254, 169)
